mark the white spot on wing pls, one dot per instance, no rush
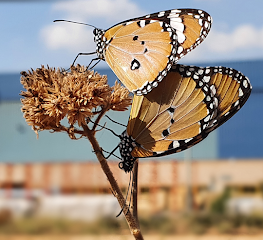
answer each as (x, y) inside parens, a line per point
(236, 103)
(142, 23)
(207, 70)
(240, 94)
(200, 71)
(177, 25)
(180, 49)
(213, 89)
(176, 144)
(206, 79)
(175, 18)
(161, 14)
(207, 118)
(188, 140)
(245, 83)
(175, 11)
(181, 37)
(149, 88)
(155, 84)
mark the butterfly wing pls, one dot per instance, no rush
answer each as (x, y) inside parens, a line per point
(187, 105)
(142, 50)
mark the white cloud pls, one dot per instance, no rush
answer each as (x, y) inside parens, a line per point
(73, 37)
(113, 10)
(243, 37)
(244, 42)
(79, 38)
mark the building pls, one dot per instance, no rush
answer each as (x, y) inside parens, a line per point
(56, 164)
(162, 185)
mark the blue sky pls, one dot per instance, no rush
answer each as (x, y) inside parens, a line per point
(29, 38)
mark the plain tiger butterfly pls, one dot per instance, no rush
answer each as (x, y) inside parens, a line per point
(141, 51)
(188, 104)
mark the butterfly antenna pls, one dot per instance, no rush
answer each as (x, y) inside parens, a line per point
(62, 20)
(126, 198)
(115, 121)
(91, 53)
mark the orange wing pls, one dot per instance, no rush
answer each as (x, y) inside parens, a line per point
(188, 104)
(142, 50)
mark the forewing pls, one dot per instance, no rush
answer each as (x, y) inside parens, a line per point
(142, 50)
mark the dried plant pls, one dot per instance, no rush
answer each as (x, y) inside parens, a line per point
(79, 95)
(52, 95)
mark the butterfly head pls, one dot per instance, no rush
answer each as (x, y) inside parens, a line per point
(127, 144)
(100, 41)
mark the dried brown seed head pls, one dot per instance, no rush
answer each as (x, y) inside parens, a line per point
(53, 94)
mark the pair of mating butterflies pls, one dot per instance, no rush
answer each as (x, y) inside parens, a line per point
(174, 106)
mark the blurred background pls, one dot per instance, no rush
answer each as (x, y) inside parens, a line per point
(55, 185)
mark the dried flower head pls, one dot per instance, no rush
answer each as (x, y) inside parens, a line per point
(51, 95)
(120, 99)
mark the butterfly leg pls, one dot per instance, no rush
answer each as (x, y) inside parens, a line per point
(129, 190)
(112, 153)
(93, 64)
(104, 151)
(82, 54)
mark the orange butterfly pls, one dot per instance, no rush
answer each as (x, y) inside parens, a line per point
(188, 104)
(141, 51)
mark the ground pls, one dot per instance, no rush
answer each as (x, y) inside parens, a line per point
(127, 237)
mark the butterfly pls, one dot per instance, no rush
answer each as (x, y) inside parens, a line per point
(188, 104)
(141, 51)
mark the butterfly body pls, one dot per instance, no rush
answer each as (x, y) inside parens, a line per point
(142, 50)
(188, 104)
(126, 147)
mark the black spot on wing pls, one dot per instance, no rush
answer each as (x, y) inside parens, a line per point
(135, 64)
(165, 133)
(170, 109)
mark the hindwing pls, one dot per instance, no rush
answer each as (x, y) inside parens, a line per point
(187, 105)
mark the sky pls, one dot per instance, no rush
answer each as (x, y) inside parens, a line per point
(30, 38)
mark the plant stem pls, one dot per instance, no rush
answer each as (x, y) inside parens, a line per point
(135, 192)
(132, 222)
